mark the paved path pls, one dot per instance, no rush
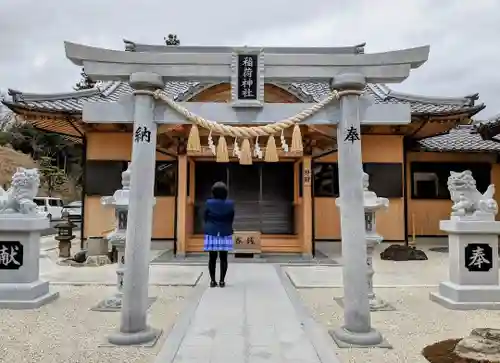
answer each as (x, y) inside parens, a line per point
(251, 320)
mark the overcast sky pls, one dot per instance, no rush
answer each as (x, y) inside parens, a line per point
(464, 35)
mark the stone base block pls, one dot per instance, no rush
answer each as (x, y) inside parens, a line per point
(97, 260)
(147, 337)
(97, 246)
(64, 249)
(346, 339)
(26, 296)
(467, 297)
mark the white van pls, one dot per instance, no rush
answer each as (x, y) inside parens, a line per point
(51, 207)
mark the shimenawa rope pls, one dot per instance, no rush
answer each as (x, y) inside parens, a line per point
(246, 132)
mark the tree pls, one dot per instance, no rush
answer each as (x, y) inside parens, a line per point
(85, 82)
(51, 176)
(172, 40)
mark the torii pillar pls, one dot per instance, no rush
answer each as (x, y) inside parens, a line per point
(357, 323)
(134, 328)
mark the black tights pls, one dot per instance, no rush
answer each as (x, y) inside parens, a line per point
(212, 264)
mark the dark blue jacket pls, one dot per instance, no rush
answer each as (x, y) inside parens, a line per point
(219, 217)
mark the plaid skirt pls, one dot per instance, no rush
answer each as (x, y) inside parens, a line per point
(218, 243)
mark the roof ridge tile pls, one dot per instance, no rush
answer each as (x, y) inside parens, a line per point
(24, 96)
(465, 100)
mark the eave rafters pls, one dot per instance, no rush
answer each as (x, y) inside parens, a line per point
(67, 125)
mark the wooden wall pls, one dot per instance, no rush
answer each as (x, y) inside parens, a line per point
(118, 146)
(424, 214)
(390, 224)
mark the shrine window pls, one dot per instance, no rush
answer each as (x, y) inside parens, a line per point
(429, 180)
(103, 177)
(326, 180)
(166, 179)
(386, 179)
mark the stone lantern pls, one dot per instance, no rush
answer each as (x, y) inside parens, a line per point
(65, 235)
(372, 203)
(119, 201)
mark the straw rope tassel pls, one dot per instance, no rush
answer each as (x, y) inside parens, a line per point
(246, 153)
(296, 140)
(271, 151)
(193, 143)
(222, 152)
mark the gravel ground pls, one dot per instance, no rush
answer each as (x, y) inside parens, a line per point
(66, 331)
(417, 322)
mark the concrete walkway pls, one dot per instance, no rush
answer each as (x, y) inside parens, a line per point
(251, 320)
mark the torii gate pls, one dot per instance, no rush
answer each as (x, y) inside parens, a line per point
(148, 71)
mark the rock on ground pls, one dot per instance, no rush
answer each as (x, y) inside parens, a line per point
(482, 344)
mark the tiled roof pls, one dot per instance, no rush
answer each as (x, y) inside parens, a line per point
(429, 105)
(464, 138)
(72, 102)
(490, 128)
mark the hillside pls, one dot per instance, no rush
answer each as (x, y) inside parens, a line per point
(11, 159)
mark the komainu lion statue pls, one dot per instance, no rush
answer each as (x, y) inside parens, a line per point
(467, 200)
(19, 197)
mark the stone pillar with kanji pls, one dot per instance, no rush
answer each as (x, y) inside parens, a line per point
(473, 281)
(21, 226)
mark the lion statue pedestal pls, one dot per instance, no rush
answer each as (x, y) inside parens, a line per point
(473, 247)
(20, 230)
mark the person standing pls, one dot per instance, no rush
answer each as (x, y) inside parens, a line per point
(218, 218)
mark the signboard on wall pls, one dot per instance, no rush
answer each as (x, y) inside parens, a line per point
(247, 242)
(307, 176)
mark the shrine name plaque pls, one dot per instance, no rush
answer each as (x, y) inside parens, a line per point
(247, 242)
(247, 77)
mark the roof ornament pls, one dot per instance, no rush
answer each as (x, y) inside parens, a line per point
(360, 48)
(17, 96)
(129, 45)
(472, 98)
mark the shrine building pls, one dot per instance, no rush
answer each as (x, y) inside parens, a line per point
(409, 164)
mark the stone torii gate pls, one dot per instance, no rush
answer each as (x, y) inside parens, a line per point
(148, 70)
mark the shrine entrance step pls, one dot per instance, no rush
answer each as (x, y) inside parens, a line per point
(194, 258)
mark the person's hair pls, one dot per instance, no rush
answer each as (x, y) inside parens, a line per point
(219, 190)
